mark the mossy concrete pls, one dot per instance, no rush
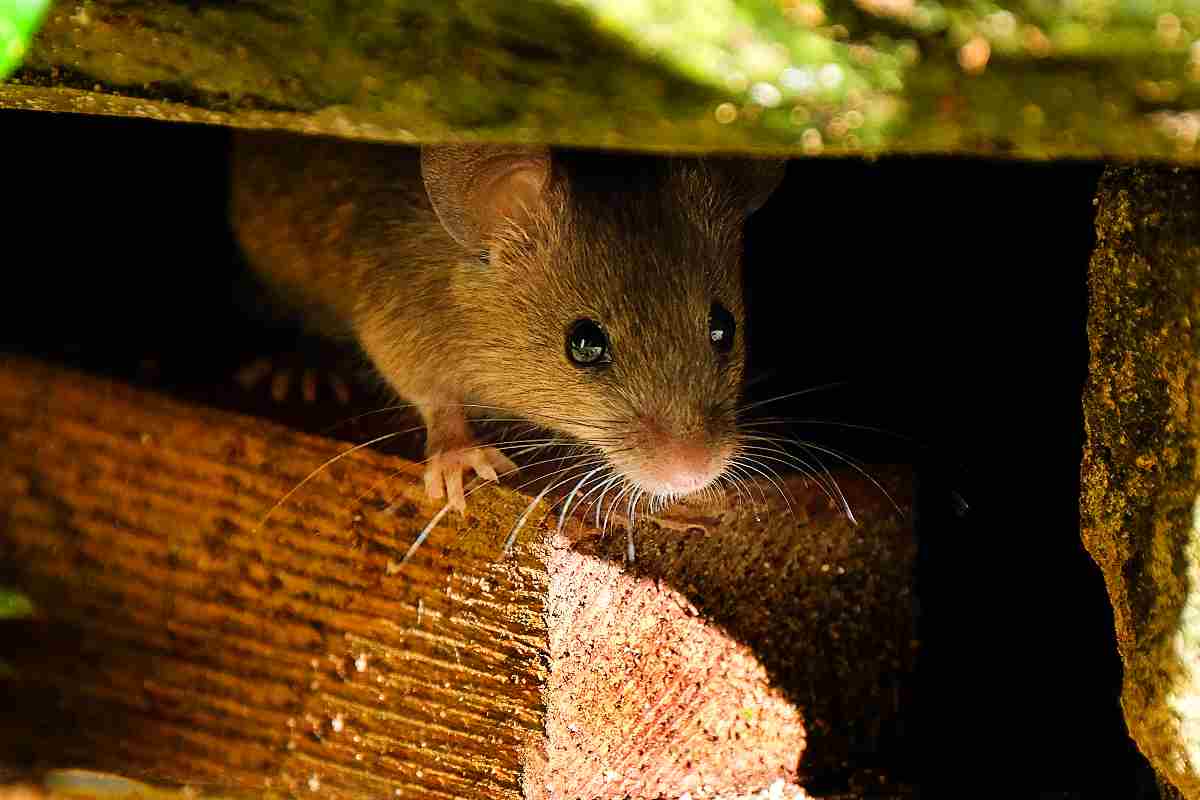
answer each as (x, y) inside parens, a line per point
(1027, 78)
(1141, 474)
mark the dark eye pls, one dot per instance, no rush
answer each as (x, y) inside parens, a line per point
(721, 328)
(587, 346)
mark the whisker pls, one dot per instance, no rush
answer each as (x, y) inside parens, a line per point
(825, 481)
(424, 534)
(782, 493)
(837, 487)
(593, 422)
(552, 473)
(562, 517)
(598, 483)
(519, 433)
(749, 482)
(824, 478)
(759, 378)
(725, 477)
(616, 499)
(475, 486)
(370, 489)
(789, 395)
(317, 471)
(604, 486)
(391, 508)
(768, 421)
(600, 507)
(512, 535)
(629, 550)
(853, 465)
(327, 430)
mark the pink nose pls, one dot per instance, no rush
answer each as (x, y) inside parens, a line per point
(681, 466)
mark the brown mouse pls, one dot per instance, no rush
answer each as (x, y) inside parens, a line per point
(596, 295)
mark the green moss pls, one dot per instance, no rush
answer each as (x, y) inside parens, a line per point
(1141, 467)
(1032, 78)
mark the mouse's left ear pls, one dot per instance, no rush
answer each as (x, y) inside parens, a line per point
(475, 188)
(748, 181)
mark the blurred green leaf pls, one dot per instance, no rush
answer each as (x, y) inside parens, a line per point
(94, 785)
(19, 19)
(14, 605)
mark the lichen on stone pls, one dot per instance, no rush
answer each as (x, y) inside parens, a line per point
(1141, 471)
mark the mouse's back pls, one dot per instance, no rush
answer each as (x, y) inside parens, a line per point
(310, 214)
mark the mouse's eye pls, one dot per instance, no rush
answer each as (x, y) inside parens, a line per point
(587, 346)
(721, 328)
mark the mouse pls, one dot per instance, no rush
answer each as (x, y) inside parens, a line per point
(595, 294)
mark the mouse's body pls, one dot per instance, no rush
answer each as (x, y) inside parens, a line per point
(598, 296)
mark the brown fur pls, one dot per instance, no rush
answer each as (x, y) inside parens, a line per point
(642, 245)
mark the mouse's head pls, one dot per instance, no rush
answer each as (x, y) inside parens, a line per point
(606, 295)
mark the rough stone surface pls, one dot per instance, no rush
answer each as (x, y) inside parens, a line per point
(1030, 79)
(1141, 473)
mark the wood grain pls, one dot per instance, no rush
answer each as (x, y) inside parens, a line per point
(181, 639)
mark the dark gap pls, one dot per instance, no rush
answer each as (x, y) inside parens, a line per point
(948, 295)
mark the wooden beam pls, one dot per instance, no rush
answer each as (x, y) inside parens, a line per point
(179, 638)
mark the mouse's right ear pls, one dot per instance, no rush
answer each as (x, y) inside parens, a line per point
(749, 181)
(475, 188)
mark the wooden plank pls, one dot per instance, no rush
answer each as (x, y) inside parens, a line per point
(179, 639)
(183, 641)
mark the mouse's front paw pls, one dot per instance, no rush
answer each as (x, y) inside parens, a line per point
(443, 473)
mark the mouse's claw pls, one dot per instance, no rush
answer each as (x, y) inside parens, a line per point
(443, 473)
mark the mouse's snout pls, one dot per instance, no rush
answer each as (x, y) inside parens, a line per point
(677, 464)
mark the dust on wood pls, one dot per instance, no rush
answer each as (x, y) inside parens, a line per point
(184, 642)
(179, 641)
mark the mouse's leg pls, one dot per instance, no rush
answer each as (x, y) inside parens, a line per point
(282, 375)
(451, 449)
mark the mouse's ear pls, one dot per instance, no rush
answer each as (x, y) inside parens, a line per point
(750, 181)
(474, 188)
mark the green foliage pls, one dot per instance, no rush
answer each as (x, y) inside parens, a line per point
(14, 605)
(18, 21)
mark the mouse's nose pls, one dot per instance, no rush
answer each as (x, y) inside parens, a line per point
(680, 465)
